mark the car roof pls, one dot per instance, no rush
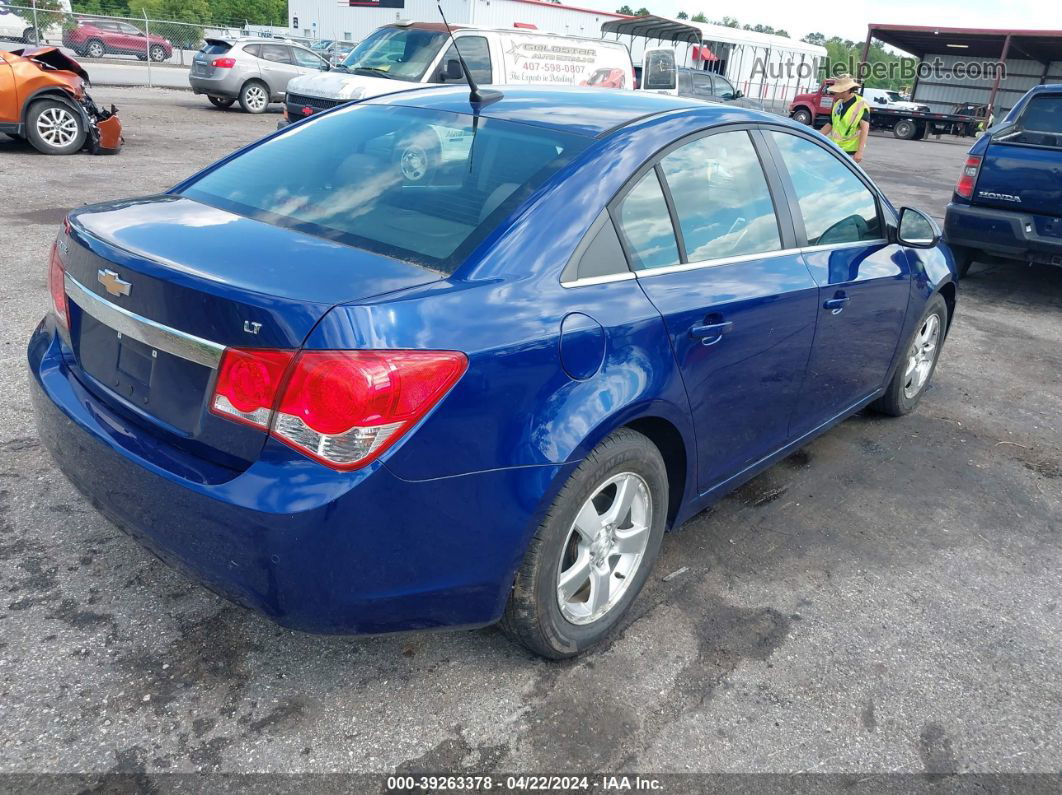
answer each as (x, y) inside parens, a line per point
(585, 111)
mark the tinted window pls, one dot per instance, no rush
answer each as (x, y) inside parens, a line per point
(129, 29)
(1044, 114)
(721, 198)
(307, 58)
(601, 253)
(836, 205)
(646, 225)
(403, 182)
(275, 52)
(722, 86)
(659, 70)
(702, 82)
(215, 48)
(254, 49)
(476, 53)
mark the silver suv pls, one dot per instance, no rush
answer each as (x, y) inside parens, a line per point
(254, 71)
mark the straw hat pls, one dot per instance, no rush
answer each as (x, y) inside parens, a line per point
(842, 84)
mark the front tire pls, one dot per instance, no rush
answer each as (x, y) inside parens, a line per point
(55, 128)
(803, 116)
(914, 371)
(254, 97)
(31, 36)
(593, 553)
(158, 53)
(905, 130)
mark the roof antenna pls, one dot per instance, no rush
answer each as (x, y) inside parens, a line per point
(475, 95)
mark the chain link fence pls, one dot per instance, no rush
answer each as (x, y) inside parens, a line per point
(91, 36)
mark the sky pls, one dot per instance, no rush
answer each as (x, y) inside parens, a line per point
(799, 19)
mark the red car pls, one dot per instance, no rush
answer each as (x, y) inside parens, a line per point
(95, 38)
(606, 78)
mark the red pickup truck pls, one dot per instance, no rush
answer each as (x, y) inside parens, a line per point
(909, 125)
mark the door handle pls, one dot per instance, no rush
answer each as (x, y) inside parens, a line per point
(836, 304)
(710, 333)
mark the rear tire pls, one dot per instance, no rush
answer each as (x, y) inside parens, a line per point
(593, 552)
(254, 96)
(55, 128)
(905, 130)
(94, 49)
(221, 102)
(803, 116)
(919, 362)
(31, 36)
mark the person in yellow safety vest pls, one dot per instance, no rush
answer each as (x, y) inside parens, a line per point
(849, 125)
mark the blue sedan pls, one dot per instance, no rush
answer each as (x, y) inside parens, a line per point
(422, 362)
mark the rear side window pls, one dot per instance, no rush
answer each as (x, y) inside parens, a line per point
(1040, 124)
(253, 49)
(409, 183)
(215, 48)
(835, 204)
(721, 198)
(276, 52)
(646, 226)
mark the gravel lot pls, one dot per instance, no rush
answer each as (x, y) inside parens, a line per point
(885, 600)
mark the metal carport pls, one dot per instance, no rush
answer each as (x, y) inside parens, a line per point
(1031, 57)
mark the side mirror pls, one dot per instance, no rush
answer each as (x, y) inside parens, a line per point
(917, 230)
(453, 71)
(738, 94)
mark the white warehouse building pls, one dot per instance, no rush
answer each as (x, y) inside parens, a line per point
(771, 68)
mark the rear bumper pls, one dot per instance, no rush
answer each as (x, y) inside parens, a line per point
(313, 549)
(226, 85)
(1004, 233)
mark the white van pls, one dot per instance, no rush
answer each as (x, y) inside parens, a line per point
(422, 52)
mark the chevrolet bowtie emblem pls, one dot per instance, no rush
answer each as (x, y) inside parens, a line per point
(112, 282)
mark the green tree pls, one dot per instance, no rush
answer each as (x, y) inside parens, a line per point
(815, 38)
(699, 17)
(682, 15)
(625, 10)
(642, 12)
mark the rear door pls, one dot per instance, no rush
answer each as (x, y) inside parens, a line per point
(864, 280)
(659, 71)
(1022, 168)
(277, 67)
(702, 234)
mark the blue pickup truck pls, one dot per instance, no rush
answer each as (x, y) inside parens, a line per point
(1008, 201)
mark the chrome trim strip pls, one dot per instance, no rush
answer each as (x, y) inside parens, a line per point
(162, 338)
(589, 280)
(830, 246)
(712, 263)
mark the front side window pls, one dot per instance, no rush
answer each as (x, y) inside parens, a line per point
(399, 53)
(307, 59)
(723, 87)
(646, 226)
(403, 182)
(476, 53)
(837, 207)
(721, 198)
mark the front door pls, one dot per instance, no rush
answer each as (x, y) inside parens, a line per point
(702, 235)
(864, 280)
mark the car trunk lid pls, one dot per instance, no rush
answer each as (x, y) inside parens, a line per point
(158, 288)
(202, 61)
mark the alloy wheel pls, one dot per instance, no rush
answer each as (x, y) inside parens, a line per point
(604, 548)
(95, 50)
(57, 127)
(157, 53)
(921, 356)
(256, 97)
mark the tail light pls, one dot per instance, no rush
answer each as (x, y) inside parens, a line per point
(965, 186)
(223, 63)
(57, 287)
(342, 408)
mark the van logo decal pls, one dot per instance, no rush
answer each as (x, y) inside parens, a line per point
(112, 282)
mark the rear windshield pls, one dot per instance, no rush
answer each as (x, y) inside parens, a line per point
(1040, 124)
(409, 183)
(215, 48)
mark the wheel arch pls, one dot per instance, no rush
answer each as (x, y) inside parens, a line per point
(949, 292)
(672, 447)
(58, 94)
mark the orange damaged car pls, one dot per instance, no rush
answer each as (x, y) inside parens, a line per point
(43, 99)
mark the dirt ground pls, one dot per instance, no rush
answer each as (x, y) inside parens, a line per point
(886, 600)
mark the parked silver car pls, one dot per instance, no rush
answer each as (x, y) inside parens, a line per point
(253, 71)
